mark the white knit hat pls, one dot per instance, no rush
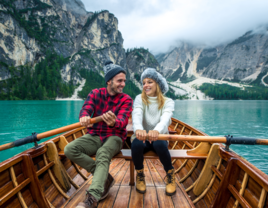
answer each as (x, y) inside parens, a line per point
(153, 74)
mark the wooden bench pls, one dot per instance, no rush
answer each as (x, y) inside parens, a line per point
(126, 154)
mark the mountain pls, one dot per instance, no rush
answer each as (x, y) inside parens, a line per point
(44, 39)
(48, 48)
(31, 27)
(245, 59)
(240, 63)
(242, 60)
(138, 59)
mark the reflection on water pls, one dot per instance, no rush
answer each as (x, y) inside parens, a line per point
(216, 118)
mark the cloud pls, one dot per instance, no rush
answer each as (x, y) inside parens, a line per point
(158, 25)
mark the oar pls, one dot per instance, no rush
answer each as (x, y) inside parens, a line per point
(37, 137)
(228, 140)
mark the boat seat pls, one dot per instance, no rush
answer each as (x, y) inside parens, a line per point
(126, 154)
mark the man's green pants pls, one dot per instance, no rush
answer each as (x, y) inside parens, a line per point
(79, 152)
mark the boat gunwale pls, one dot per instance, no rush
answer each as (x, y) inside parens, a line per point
(260, 177)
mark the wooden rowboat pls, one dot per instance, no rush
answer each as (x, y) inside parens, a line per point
(206, 176)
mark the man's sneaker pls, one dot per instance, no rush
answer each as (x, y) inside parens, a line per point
(90, 202)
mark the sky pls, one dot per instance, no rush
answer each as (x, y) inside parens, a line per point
(161, 25)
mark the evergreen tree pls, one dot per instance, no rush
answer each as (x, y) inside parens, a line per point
(40, 92)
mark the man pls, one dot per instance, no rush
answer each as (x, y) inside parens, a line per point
(105, 139)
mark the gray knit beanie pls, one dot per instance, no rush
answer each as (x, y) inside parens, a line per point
(110, 70)
(160, 80)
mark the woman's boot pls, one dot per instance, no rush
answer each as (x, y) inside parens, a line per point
(140, 182)
(171, 184)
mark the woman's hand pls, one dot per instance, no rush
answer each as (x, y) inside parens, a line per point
(141, 135)
(153, 135)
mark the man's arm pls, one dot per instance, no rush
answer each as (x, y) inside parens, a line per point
(87, 110)
(121, 120)
(124, 114)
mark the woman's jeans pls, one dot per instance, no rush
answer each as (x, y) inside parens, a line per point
(138, 148)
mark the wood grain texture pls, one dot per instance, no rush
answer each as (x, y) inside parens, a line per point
(206, 173)
(262, 198)
(109, 201)
(181, 198)
(121, 173)
(123, 197)
(14, 191)
(163, 200)
(58, 168)
(55, 182)
(242, 189)
(136, 199)
(230, 176)
(150, 197)
(34, 187)
(15, 183)
(238, 197)
(157, 179)
(131, 169)
(148, 176)
(208, 192)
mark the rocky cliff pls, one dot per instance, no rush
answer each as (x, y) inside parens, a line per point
(179, 62)
(243, 60)
(137, 61)
(29, 28)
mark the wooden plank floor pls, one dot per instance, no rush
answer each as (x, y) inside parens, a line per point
(123, 195)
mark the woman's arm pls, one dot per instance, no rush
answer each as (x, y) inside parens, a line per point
(137, 114)
(165, 118)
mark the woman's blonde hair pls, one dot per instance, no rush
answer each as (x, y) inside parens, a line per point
(160, 97)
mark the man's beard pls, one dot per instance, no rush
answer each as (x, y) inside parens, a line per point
(114, 89)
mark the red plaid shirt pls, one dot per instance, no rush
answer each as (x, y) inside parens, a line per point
(99, 102)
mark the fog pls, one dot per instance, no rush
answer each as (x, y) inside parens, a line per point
(159, 25)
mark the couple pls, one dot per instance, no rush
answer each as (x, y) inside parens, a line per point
(151, 116)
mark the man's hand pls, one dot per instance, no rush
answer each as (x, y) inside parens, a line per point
(109, 118)
(153, 135)
(141, 135)
(85, 121)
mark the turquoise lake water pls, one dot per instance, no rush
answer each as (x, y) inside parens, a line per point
(19, 119)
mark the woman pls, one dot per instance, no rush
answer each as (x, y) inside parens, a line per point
(151, 116)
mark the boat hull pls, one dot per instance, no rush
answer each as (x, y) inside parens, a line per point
(44, 177)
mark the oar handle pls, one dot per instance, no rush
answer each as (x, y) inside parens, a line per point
(214, 139)
(66, 128)
(190, 138)
(7, 146)
(262, 141)
(36, 137)
(58, 131)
